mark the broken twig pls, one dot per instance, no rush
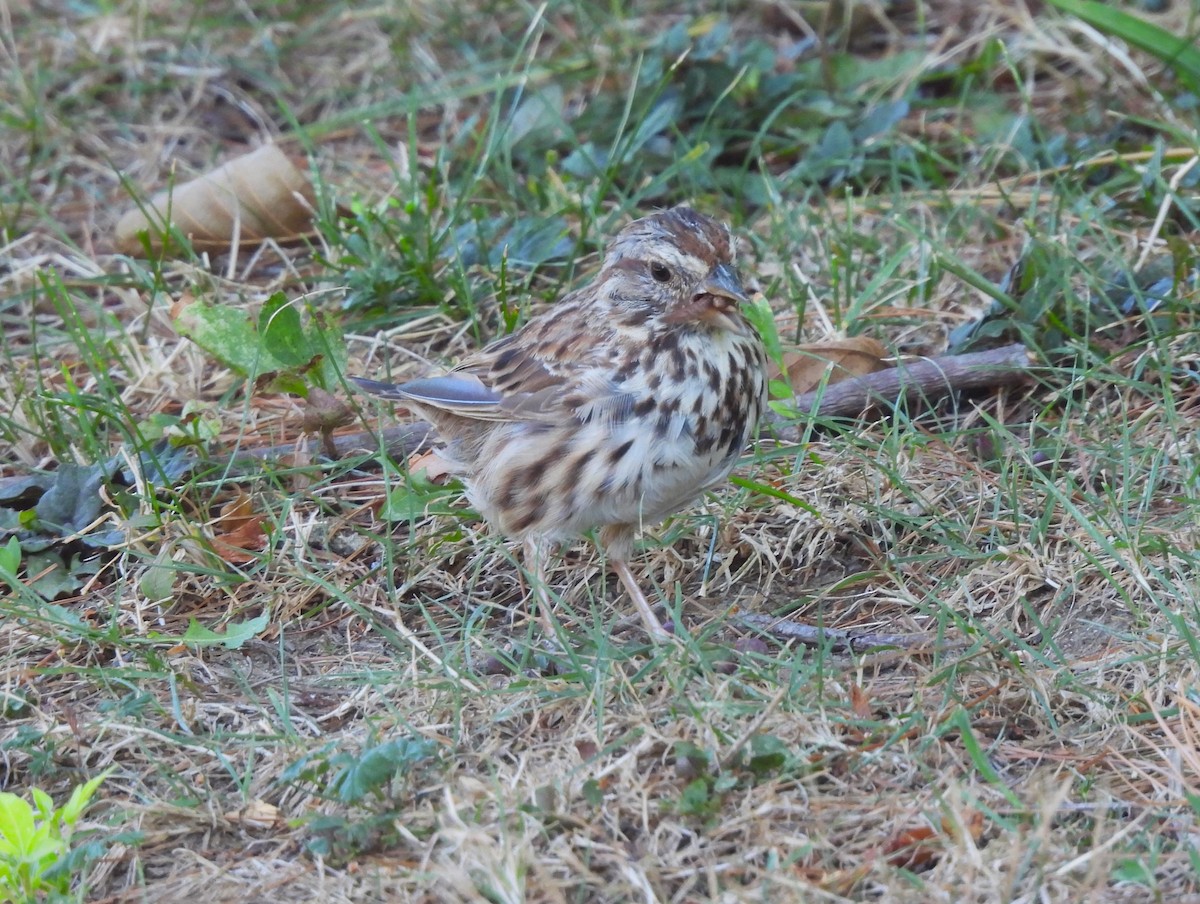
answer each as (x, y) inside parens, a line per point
(919, 378)
(842, 640)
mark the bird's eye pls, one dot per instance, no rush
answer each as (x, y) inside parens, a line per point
(660, 272)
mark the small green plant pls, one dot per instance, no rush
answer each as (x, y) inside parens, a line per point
(35, 841)
(278, 350)
(10, 561)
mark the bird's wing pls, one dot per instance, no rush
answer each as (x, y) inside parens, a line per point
(548, 370)
(460, 394)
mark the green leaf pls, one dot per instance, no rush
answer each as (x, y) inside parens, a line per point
(699, 760)
(403, 504)
(73, 501)
(42, 802)
(10, 558)
(416, 498)
(665, 112)
(774, 492)
(1131, 869)
(837, 144)
(228, 334)
(593, 793)
(45, 848)
(276, 344)
(780, 389)
(232, 638)
(377, 766)
(57, 579)
(763, 320)
(166, 463)
(35, 854)
(81, 796)
(16, 822)
(767, 754)
(540, 112)
(880, 119)
(158, 581)
(695, 800)
(287, 381)
(63, 617)
(282, 333)
(24, 488)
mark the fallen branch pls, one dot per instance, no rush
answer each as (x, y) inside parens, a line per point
(920, 378)
(842, 640)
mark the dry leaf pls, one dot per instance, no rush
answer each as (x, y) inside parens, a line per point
(844, 358)
(914, 848)
(238, 532)
(435, 467)
(258, 814)
(587, 750)
(920, 846)
(257, 196)
(860, 702)
(841, 882)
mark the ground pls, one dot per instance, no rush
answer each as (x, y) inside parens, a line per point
(317, 677)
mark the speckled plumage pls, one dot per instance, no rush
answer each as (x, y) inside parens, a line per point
(617, 407)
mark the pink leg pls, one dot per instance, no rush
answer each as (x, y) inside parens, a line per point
(653, 625)
(617, 540)
(535, 565)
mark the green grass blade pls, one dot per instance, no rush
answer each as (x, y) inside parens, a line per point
(1180, 53)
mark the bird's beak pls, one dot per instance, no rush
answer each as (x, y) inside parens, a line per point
(715, 299)
(724, 283)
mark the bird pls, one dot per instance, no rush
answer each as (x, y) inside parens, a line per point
(617, 407)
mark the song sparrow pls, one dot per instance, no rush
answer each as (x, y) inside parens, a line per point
(614, 409)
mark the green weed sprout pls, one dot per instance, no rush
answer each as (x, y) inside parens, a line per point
(35, 840)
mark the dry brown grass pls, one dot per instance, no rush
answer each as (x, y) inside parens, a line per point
(1041, 747)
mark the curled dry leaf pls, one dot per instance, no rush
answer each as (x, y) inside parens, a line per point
(435, 467)
(251, 198)
(842, 359)
(860, 702)
(920, 846)
(238, 532)
(258, 814)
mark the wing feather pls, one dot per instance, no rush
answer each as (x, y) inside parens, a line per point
(549, 368)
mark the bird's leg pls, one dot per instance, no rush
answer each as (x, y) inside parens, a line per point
(617, 540)
(653, 626)
(535, 567)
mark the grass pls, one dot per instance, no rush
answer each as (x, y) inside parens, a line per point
(309, 678)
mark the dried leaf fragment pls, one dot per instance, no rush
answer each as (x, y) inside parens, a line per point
(436, 468)
(842, 359)
(251, 198)
(238, 532)
(258, 814)
(860, 702)
(919, 847)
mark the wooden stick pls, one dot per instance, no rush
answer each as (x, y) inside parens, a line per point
(928, 378)
(814, 635)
